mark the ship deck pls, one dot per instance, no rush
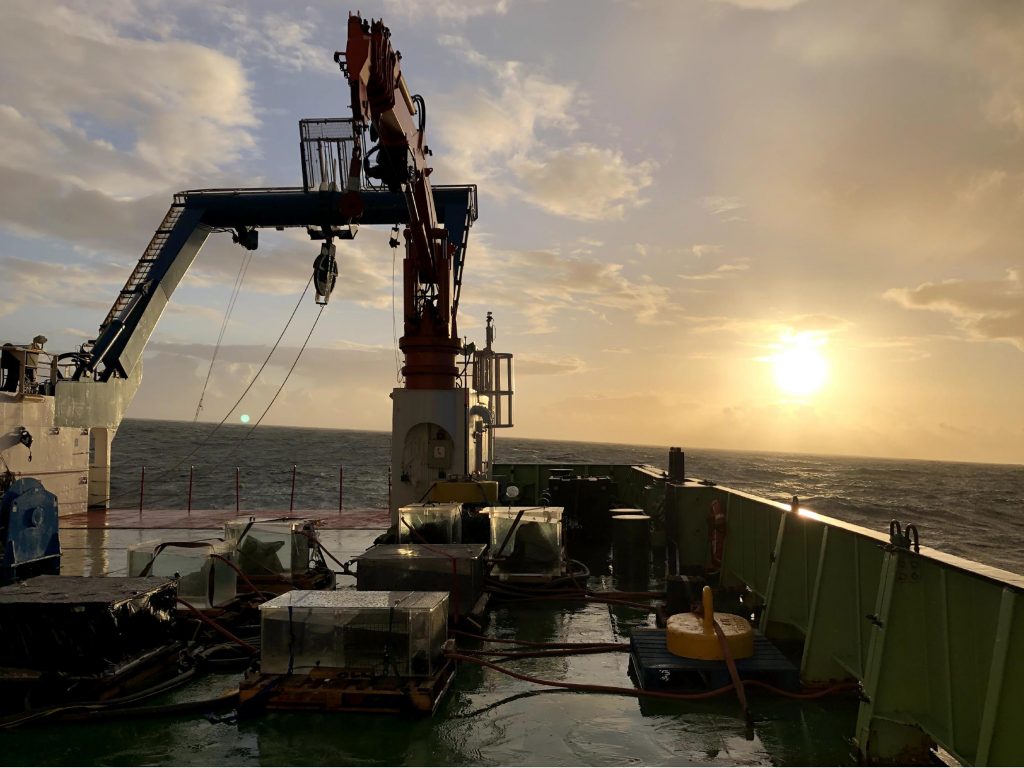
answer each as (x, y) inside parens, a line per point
(820, 579)
(487, 718)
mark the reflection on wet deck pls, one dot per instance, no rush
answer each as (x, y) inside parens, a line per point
(104, 551)
(328, 519)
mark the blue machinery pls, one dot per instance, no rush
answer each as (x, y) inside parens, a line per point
(28, 532)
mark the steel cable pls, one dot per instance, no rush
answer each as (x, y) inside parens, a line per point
(243, 268)
(198, 446)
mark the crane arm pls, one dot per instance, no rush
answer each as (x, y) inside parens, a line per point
(193, 215)
(395, 120)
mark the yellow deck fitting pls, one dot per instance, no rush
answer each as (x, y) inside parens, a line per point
(692, 636)
(476, 492)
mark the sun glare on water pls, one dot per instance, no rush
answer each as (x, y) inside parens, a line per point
(800, 367)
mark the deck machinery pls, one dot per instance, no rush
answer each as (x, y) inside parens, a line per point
(445, 415)
(367, 169)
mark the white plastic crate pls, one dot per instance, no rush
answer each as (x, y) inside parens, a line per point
(420, 566)
(433, 523)
(203, 580)
(270, 546)
(535, 546)
(373, 633)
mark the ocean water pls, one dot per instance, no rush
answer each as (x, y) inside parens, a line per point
(971, 510)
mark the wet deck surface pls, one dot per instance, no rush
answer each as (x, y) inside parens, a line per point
(486, 718)
(330, 520)
(104, 551)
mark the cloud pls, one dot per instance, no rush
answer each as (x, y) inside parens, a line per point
(880, 127)
(457, 11)
(759, 331)
(991, 310)
(483, 127)
(762, 5)
(89, 285)
(700, 250)
(280, 39)
(719, 272)
(102, 119)
(98, 108)
(583, 182)
(543, 284)
(284, 262)
(530, 366)
(349, 384)
(47, 206)
(518, 131)
(722, 205)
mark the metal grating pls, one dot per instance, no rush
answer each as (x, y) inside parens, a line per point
(658, 669)
(326, 145)
(140, 274)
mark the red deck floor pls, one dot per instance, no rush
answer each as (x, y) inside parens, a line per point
(349, 519)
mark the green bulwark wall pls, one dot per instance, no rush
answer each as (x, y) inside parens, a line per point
(935, 641)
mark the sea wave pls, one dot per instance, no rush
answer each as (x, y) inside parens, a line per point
(971, 510)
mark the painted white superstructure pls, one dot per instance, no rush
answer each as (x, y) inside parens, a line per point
(62, 434)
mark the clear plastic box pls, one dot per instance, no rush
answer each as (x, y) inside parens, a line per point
(415, 566)
(270, 546)
(535, 546)
(203, 580)
(432, 523)
(374, 633)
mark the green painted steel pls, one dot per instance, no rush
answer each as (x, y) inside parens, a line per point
(639, 486)
(750, 542)
(936, 641)
(945, 659)
(846, 589)
(533, 480)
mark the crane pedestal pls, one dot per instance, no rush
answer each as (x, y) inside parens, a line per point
(436, 435)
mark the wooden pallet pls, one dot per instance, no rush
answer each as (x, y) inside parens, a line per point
(657, 669)
(18, 686)
(332, 690)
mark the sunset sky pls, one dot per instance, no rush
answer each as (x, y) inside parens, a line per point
(750, 224)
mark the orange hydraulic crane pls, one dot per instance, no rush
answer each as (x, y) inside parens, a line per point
(395, 121)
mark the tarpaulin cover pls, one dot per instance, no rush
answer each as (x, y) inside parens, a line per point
(83, 624)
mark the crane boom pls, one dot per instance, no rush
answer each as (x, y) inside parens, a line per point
(395, 121)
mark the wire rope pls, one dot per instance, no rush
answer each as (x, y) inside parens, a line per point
(234, 447)
(288, 375)
(640, 693)
(199, 445)
(251, 384)
(394, 313)
(242, 269)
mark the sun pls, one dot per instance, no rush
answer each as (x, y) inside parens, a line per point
(800, 367)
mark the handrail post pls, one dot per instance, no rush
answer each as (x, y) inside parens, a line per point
(341, 486)
(142, 488)
(291, 503)
(191, 471)
(237, 490)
